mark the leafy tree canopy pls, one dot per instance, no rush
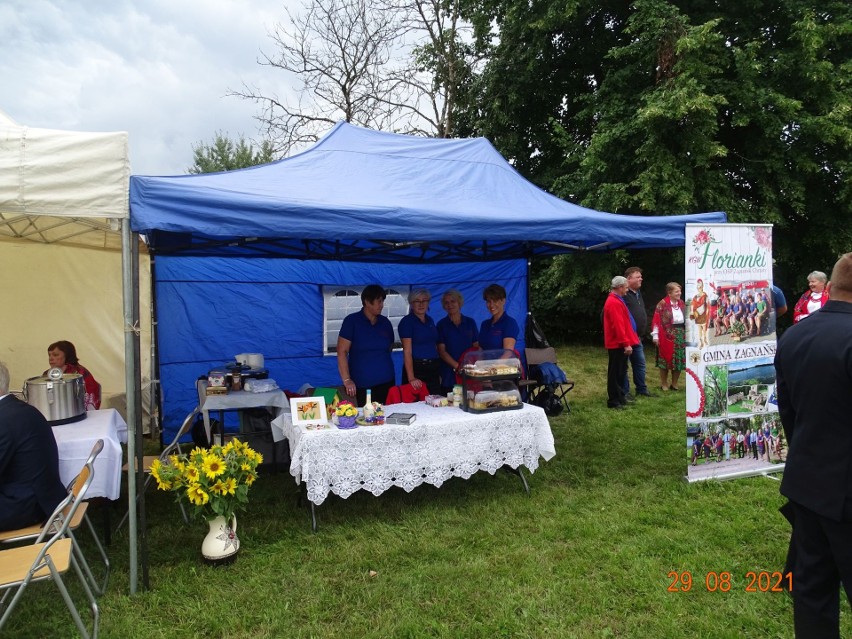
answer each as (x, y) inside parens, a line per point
(224, 154)
(656, 107)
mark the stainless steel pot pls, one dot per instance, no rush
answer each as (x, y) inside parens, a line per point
(60, 397)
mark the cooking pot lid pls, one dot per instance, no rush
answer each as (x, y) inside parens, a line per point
(64, 377)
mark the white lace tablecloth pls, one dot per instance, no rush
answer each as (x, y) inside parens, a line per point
(441, 443)
(74, 442)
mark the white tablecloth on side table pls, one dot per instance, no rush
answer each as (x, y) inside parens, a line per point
(75, 442)
(441, 443)
(238, 400)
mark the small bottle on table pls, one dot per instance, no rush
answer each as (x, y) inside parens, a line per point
(368, 406)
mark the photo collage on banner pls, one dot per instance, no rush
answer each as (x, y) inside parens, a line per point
(732, 424)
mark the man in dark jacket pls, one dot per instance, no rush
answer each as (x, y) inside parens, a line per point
(636, 306)
(813, 367)
(30, 487)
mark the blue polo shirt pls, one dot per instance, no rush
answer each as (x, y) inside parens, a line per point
(491, 334)
(456, 339)
(423, 336)
(778, 298)
(370, 360)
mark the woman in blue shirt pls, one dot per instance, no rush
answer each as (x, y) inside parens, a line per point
(501, 331)
(456, 334)
(419, 337)
(364, 349)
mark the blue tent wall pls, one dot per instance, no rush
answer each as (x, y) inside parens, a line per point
(209, 309)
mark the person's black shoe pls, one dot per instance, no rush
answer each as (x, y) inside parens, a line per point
(616, 406)
(646, 394)
(629, 398)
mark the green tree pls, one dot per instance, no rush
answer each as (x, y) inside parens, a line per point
(657, 107)
(224, 154)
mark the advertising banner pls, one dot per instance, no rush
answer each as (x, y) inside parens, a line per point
(732, 423)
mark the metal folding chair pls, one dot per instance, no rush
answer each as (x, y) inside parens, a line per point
(550, 395)
(147, 460)
(79, 517)
(51, 556)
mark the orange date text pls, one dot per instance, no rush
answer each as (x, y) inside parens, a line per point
(725, 581)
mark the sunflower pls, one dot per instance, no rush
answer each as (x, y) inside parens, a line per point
(213, 481)
(177, 462)
(192, 474)
(213, 466)
(197, 495)
(230, 486)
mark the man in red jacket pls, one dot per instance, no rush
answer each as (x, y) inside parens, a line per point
(619, 337)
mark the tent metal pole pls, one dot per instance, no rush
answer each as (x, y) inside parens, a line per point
(130, 369)
(529, 300)
(142, 531)
(156, 388)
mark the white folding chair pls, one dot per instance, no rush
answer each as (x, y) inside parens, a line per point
(51, 556)
(147, 460)
(80, 516)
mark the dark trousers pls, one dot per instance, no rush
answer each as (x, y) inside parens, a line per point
(427, 371)
(820, 558)
(615, 373)
(378, 393)
(19, 511)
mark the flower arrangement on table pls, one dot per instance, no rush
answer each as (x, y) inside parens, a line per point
(346, 414)
(346, 409)
(214, 482)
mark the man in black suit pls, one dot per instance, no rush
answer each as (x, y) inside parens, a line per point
(30, 487)
(813, 367)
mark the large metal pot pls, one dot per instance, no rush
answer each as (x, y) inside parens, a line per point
(60, 397)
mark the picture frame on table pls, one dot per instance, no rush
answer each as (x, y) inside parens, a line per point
(308, 411)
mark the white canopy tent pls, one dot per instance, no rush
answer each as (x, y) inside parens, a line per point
(71, 189)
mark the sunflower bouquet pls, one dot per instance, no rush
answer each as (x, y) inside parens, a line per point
(214, 481)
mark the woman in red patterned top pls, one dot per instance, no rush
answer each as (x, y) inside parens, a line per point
(63, 355)
(813, 299)
(668, 335)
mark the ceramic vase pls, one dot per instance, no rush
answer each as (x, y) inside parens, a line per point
(221, 544)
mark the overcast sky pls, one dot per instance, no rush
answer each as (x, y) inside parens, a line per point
(159, 69)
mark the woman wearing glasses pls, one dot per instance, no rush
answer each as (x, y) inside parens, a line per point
(419, 337)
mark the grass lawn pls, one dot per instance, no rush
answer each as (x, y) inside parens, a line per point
(588, 554)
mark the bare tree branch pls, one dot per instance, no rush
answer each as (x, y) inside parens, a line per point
(389, 65)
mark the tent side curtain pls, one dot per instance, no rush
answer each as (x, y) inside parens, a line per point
(211, 308)
(367, 195)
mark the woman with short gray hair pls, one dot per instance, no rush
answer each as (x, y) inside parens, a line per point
(814, 298)
(419, 337)
(456, 334)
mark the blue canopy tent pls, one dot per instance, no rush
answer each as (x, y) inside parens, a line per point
(358, 207)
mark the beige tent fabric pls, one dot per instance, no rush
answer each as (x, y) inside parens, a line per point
(63, 173)
(62, 186)
(62, 197)
(53, 292)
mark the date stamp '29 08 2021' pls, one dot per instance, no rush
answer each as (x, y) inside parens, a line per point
(724, 581)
